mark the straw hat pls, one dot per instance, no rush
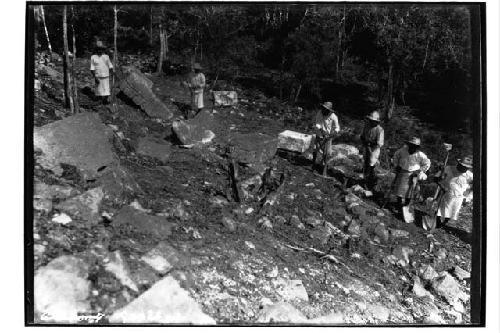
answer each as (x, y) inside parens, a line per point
(414, 141)
(466, 161)
(328, 106)
(100, 45)
(375, 116)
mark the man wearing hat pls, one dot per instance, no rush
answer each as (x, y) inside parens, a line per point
(372, 139)
(326, 125)
(196, 85)
(456, 184)
(411, 164)
(101, 67)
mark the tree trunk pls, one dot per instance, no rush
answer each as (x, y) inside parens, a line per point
(390, 86)
(42, 12)
(339, 50)
(67, 79)
(73, 65)
(162, 51)
(115, 34)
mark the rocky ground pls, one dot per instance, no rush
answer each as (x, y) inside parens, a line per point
(136, 221)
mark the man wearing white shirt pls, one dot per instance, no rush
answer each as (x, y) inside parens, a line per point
(411, 165)
(101, 68)
(326, 125)
(456, 184)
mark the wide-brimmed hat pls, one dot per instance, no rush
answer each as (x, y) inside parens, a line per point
(197, 66)
(375, 116)
(100, 45)
(466, 161)
(414, 141)
(328, 106)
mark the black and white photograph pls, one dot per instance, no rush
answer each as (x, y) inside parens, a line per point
(255, 164)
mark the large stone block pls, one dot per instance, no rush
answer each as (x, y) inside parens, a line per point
(85, 206)
(253, 148)
(81, 140)
(137, 87)
(225, 98)
(143, 223)
(294, 141)
(164, 303)
(61, 290)
(195, 131)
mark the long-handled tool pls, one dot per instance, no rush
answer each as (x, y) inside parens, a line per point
(408, 215)
(432, 205)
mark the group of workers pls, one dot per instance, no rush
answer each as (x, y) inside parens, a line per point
(409, 162)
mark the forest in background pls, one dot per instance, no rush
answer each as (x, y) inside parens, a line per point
(417, 56)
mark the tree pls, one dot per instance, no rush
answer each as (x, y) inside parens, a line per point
(73, 64)
(68, 96)
(115, 33)
(42, 14)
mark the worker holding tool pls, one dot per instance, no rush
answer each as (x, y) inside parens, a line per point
(326, 125)
(101, 68)
(456, 184)
(373, 140)
(410, 164)
(196, 85)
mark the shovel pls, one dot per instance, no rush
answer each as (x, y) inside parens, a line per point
(408, 215)
(429, 216)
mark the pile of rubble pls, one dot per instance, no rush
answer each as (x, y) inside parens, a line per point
(117, 223)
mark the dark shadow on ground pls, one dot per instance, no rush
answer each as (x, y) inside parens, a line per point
(463, 235)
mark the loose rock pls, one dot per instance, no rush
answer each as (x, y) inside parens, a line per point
(382, 232)
(165, 303)
(61, 290)
(460, 273)
(329, 319)
(403, 253)
(156, 226)
(449, 288)
(85, 206)
(427, 273)
(81, 140)
(61, 218)
(280, 313)
(253, 148)
(119, 268)
(291, 290)
(164, 258)
(196, 130)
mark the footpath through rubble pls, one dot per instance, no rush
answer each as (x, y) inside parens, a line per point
(132, 202)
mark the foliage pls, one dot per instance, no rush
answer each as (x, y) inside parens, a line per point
(418, 54)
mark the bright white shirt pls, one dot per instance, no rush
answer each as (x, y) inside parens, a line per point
(197, 82)
(413, 162)
(327, 124)
(455, 182)
(101, 65)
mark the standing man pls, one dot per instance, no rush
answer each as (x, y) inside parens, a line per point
(373, 140)
(101, 68)
(196, 85)
(456, 184)
(411, 165)
(326, 125)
